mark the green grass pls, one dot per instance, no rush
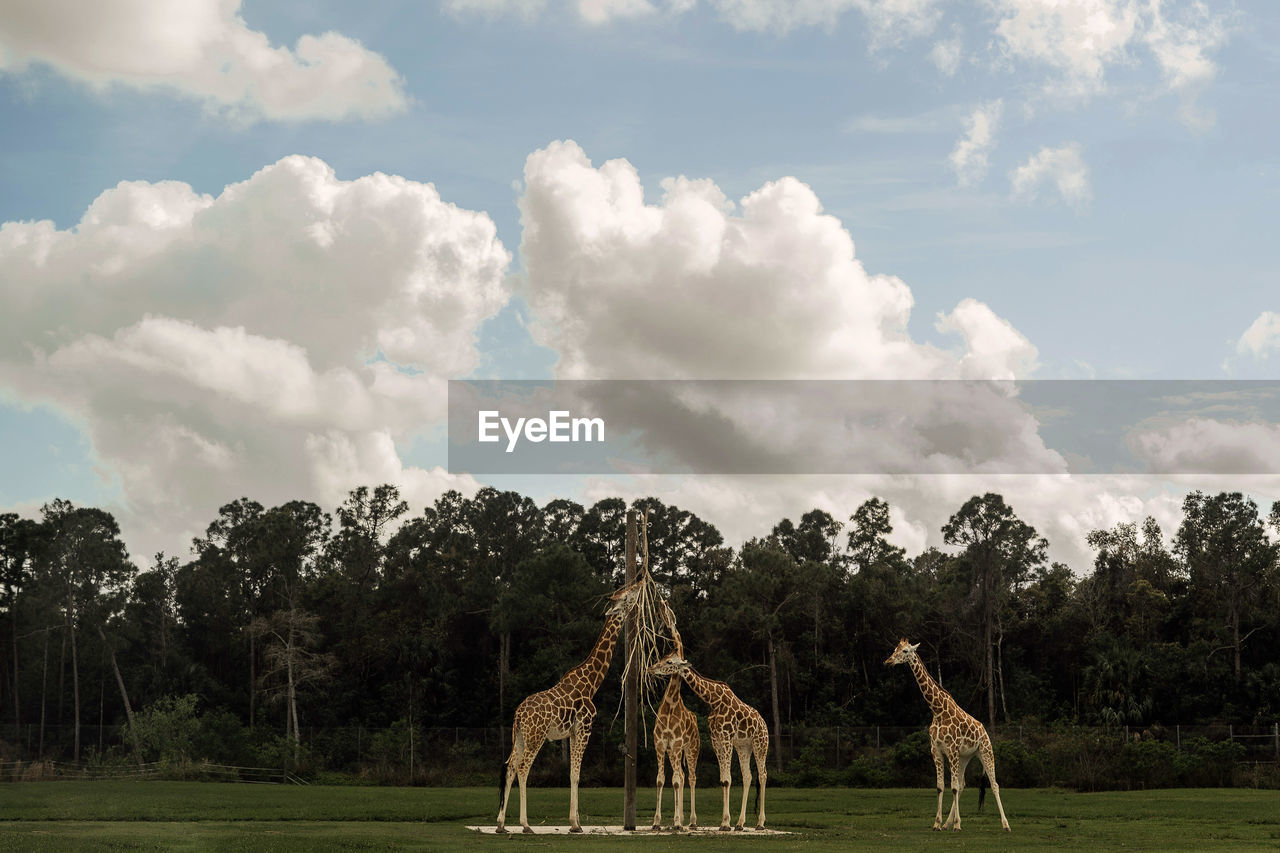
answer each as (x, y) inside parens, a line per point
(211, 816)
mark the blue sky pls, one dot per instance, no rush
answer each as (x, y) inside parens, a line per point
(1100, 176)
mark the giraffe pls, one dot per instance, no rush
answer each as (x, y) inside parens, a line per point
(676, 736)
(952, 733)
(565, 710)
(733, 724)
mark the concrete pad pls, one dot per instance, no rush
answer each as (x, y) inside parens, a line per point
(618, 830)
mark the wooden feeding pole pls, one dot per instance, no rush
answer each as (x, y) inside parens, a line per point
(631, 687)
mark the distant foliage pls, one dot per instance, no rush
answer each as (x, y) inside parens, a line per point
(307, 639)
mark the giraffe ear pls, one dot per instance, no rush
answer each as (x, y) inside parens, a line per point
(912, 648)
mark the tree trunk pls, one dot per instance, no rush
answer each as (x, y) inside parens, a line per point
(1004, 707)
(293, 694)
(1235, 638)
(62, 678)
(773, 682)
(411, 731)
(124, 695)
(75, 671)
(44, 690)
(504, 663)
(988, 641)
(253, 678)
(17, 706)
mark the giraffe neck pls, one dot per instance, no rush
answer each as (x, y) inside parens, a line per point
(938, 699)
(672, 696)
(714, 693)
(593, 669)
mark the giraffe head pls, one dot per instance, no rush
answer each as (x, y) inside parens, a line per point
(904, 653)
(672, 664)
(624, 600)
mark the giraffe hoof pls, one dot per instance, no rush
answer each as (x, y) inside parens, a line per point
(724, 828)
(528, 830)
(502, 830)
(575, 829)
(738, 828)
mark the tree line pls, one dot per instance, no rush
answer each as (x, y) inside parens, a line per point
(289, 619)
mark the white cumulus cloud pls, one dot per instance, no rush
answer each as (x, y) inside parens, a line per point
(969, 159)
(1081, 40)
(1201, 445)
(1262, 337)
(1063, 168)
(697, 286)
(203, 49)
(275, 341)
(994, 349)
(1078, 38)
(885, 17)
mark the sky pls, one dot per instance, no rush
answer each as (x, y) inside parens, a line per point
(245, 245)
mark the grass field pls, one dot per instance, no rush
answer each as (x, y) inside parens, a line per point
(214, 816)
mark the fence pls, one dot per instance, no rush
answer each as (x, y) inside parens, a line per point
(40, 771)
(1075, 756)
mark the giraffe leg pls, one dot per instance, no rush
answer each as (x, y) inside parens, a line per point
(660, 747)
(744, 763)
(762, 753)
(577, 747)
(691, 761)
(936, 749)
(513, 761)
(677, 785)
(522, 774)
(724, 757)
(989, 767)
(958, 765)
(506, 794)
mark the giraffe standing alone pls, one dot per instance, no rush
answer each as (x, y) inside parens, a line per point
(676, 737)
(565, 710)
(952, 733)
(733, 724)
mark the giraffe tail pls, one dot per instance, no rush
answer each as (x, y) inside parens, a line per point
(982, 789)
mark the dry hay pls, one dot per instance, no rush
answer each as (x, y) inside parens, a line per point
(655, 626)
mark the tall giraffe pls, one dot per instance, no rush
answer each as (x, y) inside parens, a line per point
(952, 733)
(733, 724)
(565, 710)
(676, 737)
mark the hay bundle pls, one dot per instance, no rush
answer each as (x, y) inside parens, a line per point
(655, 623)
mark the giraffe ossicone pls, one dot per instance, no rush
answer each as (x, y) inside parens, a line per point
(953, 734)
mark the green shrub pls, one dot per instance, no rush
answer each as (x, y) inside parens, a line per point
(167, 729)
(1208, 764)
(1149, 764)
(1015, 764)
(868, 772)
(912, 760)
